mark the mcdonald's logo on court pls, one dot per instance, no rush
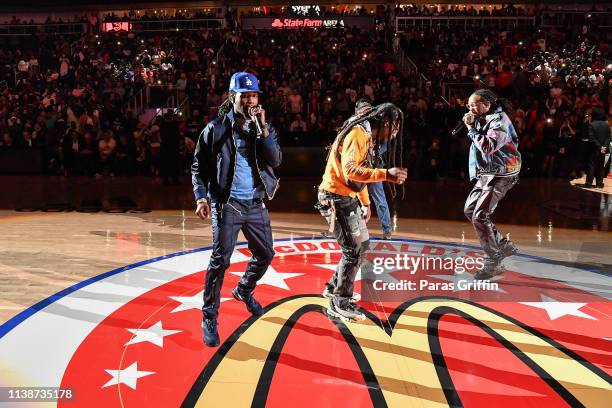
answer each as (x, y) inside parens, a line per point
(132, 337)
(407, 343)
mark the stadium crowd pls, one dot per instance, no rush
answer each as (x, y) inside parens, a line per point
(70, 97)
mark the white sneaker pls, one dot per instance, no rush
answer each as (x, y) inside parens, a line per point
(347, 314)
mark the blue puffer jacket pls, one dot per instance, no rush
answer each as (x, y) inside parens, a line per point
(494, 149)
(214, 160)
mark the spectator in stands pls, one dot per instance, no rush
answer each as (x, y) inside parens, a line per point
(600, 136)
(106, 147)
(6, 142)
(298, 125)
(88, 154)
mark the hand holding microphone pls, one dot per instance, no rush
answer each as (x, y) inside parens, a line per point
(258, 116)
(467, 120)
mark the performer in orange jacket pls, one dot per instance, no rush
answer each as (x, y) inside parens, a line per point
(342, 193)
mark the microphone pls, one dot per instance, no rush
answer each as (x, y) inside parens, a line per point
(458, 128)
(257, 119)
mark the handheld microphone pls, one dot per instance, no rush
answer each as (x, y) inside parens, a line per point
(256, 118)
(258, 125)
(458, 128)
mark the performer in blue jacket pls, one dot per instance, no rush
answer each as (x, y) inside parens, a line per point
(232, 174)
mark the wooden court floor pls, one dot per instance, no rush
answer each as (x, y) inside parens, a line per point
(63, 235)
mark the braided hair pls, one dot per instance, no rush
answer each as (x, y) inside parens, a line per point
(495, 102)
(228, 104)
(385, 113)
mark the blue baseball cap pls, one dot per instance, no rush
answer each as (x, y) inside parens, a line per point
(244, 82)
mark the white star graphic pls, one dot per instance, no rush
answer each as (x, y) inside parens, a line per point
(273, 278)
(128, 376)
(556, 309)
(191, 302)
(154, 334)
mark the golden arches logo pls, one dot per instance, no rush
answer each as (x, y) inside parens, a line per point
(389, 355)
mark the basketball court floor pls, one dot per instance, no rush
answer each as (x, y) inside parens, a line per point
(102, 285)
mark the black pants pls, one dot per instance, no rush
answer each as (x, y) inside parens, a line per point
(352, 235)
(480, 205)
(595, 166)
(252, 218)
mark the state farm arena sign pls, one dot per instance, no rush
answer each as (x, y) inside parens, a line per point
(287, 22)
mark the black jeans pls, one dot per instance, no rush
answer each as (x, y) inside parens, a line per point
(227, 220)
(595, 166)
(480, 205)
(352, 235)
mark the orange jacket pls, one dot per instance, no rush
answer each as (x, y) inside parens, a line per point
(351, 166)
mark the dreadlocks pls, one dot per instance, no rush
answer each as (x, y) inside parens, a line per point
(227, 105)
(382, 115)
(495, 102)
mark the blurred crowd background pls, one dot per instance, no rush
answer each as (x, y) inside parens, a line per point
(81, 103)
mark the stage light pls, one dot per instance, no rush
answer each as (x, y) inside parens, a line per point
(476, 77)
(520, 43)
(118, 42)
(548, 120)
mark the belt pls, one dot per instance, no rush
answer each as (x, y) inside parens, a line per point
(251, 201)
(333, 195)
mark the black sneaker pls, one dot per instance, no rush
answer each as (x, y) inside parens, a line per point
(490, 269)
(252, 305)
(211, 334)
(387, 235)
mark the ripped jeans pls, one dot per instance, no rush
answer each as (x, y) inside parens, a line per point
(349, 229)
